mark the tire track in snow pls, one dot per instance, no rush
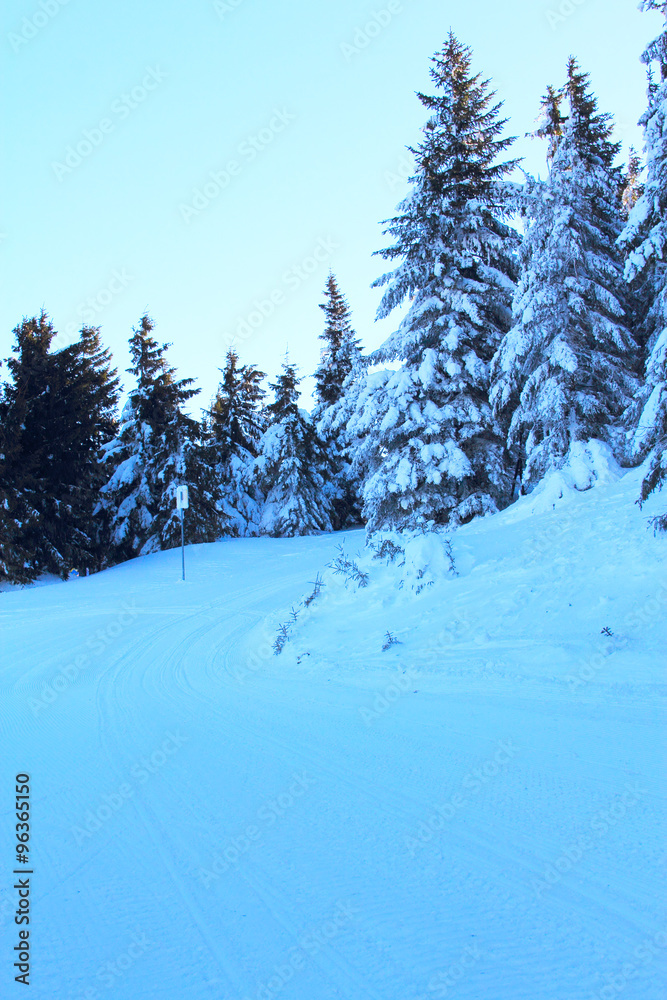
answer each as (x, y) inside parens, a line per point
(112, 720)
(172, 669)
(110, 724)
(176, 679)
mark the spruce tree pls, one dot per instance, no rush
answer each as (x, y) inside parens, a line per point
(437, 455)
(25, 440)
(58, 409)
(563, 374)
(645, 239)
(158, 448)
(292, 470)
(32, 452)
(234, 425)
(341, 346)
(340, 358)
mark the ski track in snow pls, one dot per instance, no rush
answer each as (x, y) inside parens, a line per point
(337, 896)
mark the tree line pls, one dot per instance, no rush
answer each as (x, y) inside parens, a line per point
(535, 336)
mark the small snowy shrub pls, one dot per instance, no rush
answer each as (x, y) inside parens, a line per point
(348, 568)
(389, 641)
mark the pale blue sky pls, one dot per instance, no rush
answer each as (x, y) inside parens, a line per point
(315, 131)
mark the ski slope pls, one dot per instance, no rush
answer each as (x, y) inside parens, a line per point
(476, 811)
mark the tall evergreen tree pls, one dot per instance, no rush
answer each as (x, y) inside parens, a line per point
(438, 455)
(645, 239)
(589, 130)
(293, 469)
(341, 346)
(58, 410)
(564, 372)
(234, 426)
(340, 357)
(157, 449)
(24, 445)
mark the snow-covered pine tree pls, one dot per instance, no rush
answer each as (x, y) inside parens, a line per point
(437, 455)
(340, 357)
(341, 346)
(234, 426)
(645, 238)
(59, 409)
(157, 449)
(563, 375)
(292, 470)
(354, 419)
(357, 416)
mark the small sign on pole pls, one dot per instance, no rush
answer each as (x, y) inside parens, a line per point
(182, 503)
(182, 499)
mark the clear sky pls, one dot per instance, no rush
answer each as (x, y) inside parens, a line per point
(117, 115)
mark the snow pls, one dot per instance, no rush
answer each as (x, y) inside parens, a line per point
(426, 558)
(648, 420)
(473, 811)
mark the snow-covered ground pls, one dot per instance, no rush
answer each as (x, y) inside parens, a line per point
(476, 811)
